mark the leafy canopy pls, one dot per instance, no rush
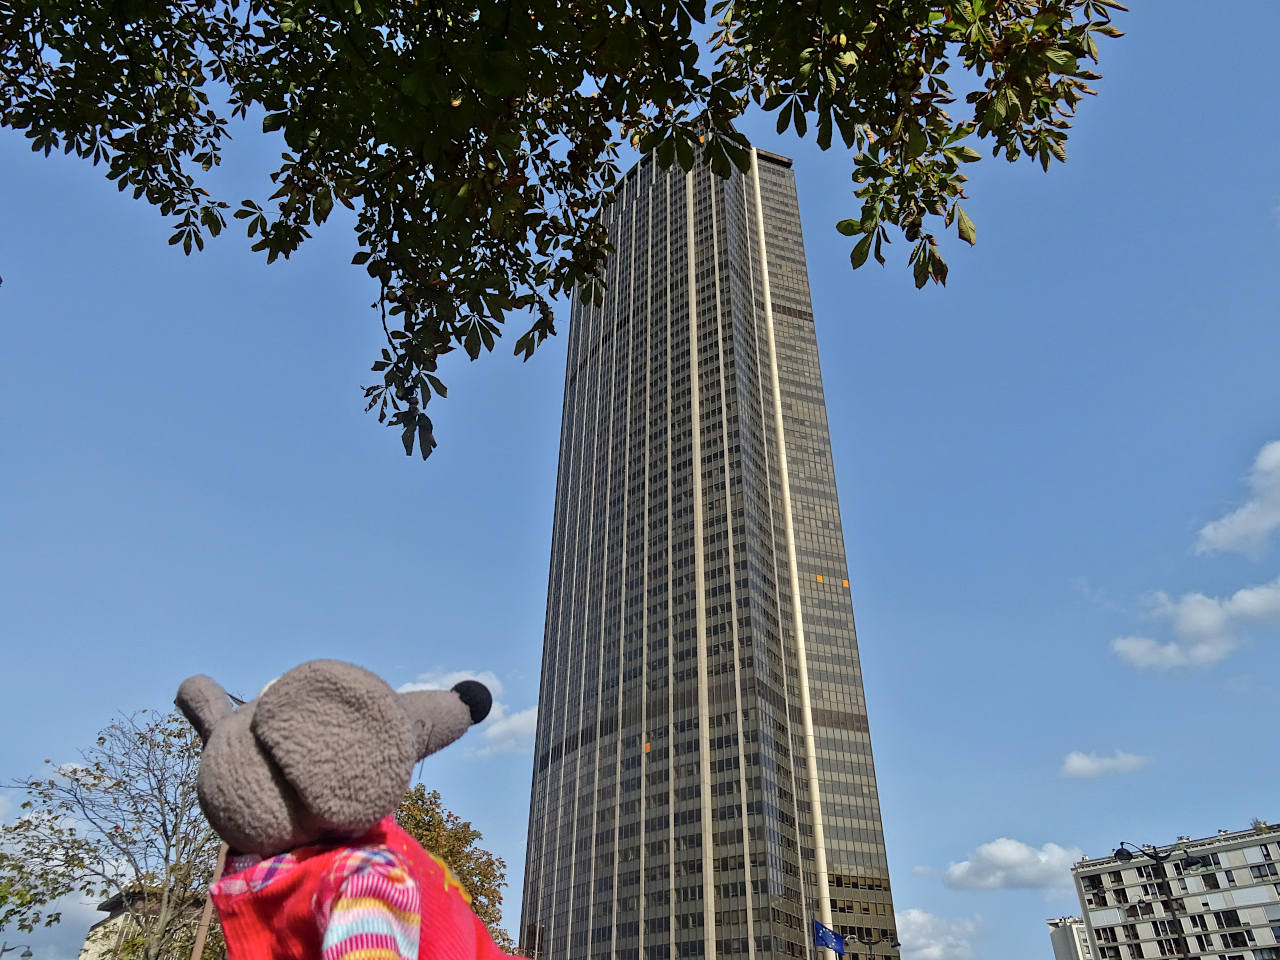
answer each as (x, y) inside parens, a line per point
(476, 140)
(123, 822)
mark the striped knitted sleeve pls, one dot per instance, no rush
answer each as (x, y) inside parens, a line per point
(376, 914)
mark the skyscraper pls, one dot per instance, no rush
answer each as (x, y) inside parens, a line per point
(703, 782)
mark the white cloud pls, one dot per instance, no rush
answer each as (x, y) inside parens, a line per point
(1150, 654)
(924, 870)
(502, 731)
(1246, 529)
(1089, 765)
(441, 680)
(925, 936)
(1012, 864)
(1206, 627)
(509, 732)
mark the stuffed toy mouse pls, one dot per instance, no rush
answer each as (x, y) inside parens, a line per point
(302, 784)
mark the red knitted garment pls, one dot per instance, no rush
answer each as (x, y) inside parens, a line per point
(271, 911)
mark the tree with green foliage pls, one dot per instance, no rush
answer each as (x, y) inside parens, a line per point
(422, 815)
(123, 823)
(476, 140)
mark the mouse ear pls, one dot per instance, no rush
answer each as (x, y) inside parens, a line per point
(203, 702)
(341, 740)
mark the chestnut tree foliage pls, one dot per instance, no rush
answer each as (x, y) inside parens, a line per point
(476, 140)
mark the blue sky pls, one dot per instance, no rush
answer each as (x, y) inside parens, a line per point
(1063, 450)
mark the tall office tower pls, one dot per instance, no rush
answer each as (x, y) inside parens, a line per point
(703, 783)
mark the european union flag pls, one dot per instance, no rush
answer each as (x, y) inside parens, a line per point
(824, 936)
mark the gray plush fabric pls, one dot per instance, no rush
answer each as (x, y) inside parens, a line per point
(326, 751)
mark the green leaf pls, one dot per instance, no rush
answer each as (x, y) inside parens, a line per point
(859, 254)
(322, 205)
(849, 227)
(999, 106)
(426, 437)
(915, 141)
(964, 226)
(920, 270)
(939, 270)
(666, 153)
(273, 121)
(1061, 59)
(684, 153)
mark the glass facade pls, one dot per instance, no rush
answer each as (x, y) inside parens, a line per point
(698, 735)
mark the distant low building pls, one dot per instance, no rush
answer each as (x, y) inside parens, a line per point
(1070, 939)
(107, 938)
(1217, 897)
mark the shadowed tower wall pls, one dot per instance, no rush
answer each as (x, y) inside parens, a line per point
(686, 713)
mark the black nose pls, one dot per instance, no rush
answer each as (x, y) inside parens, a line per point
(477, 698)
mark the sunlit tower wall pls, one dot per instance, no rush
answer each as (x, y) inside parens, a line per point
(703, 782)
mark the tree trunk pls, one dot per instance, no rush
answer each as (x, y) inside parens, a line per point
(206, 915)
